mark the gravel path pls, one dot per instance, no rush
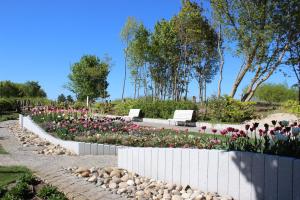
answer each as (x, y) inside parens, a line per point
(50, 167)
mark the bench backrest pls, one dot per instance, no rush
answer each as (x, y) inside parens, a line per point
(134, 112)
(183, 114)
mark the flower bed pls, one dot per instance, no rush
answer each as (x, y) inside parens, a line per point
(279, 138)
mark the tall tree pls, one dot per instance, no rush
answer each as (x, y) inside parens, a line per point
(263, 31)
(88, 77)
(127, 34)
(138, 56)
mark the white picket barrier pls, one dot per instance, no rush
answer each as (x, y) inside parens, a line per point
(242, 175)
(79, 148)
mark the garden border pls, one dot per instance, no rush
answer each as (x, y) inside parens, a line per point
(79, 148)
(242, 175)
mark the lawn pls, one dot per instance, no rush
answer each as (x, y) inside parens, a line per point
(2, 151)
(11, 173)
(8, 116)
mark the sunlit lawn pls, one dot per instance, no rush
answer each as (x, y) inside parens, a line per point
(9, 174)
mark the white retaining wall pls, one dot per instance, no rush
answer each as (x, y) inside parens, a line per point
(242, 175)
(79, 148)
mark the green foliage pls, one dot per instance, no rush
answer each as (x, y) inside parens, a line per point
(292, 106)
(13, 104)
(104, 108)
(20, 191)
(88, 77)
(275, 93)
(154, 109)
(227, 109)
(28, 89)
(79, 105)
(61, 98)
(51, 193)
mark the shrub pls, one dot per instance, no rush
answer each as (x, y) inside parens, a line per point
(275, 93)
(20, 191)
(154, 109)
(79, 105)
(292, 106)
(103, 108)
(51, 193)
(7, 105)
(227, 109)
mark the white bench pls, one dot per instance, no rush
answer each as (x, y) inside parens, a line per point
(182, 116)
(134, 114)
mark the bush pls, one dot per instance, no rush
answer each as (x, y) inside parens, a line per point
(7, 105)
(154, 109)
(103, 108)
(275, 93)
(292, 107)
(20, 191)
(51, 193)
(227, 109)
(79, 105)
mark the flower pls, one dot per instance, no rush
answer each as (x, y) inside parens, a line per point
(261, 132)
(274, 122)
(223, 132)
(214, 130)
(203, 127)
(247, 126)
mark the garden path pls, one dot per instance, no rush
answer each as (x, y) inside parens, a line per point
(50, 167)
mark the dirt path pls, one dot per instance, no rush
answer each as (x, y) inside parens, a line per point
(50, 167)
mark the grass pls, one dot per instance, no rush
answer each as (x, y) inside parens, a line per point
(9, 174)
(8, 116)
(2, 151)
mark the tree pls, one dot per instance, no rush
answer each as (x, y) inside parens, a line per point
(138, 50)
(33, 89)
(88, 77)
(275, 93)
(61, 98)
(127, 35)
(10, 89)
(221, 59)
(28, 89)
(263, 32)
(70, 99)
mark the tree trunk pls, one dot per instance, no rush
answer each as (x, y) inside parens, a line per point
(125, 74)
(244, 70)
(221, 65)
(259, 82)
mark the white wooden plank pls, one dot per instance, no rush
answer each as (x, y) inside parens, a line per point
(271, 177)
(130, 159)
(100, 149)
(148, 161)
(296, 179)
(177, 166)
(94, 149)
(223, 173)
(154, 163)
(87, 148)
(135, 159)
(285, 178)
(194, 167)
(169, 165)
(203, 169)
(185, 167)
(234, 174)
(258, 177)
(161, 164)
(141, 152)
(246, 175)
(213, 165)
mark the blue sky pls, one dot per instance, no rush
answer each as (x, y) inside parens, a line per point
(39, 40)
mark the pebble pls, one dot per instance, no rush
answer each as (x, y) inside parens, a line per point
(133, 186)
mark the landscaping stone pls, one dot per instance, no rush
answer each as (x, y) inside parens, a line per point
(29, 139)
(133, 186)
